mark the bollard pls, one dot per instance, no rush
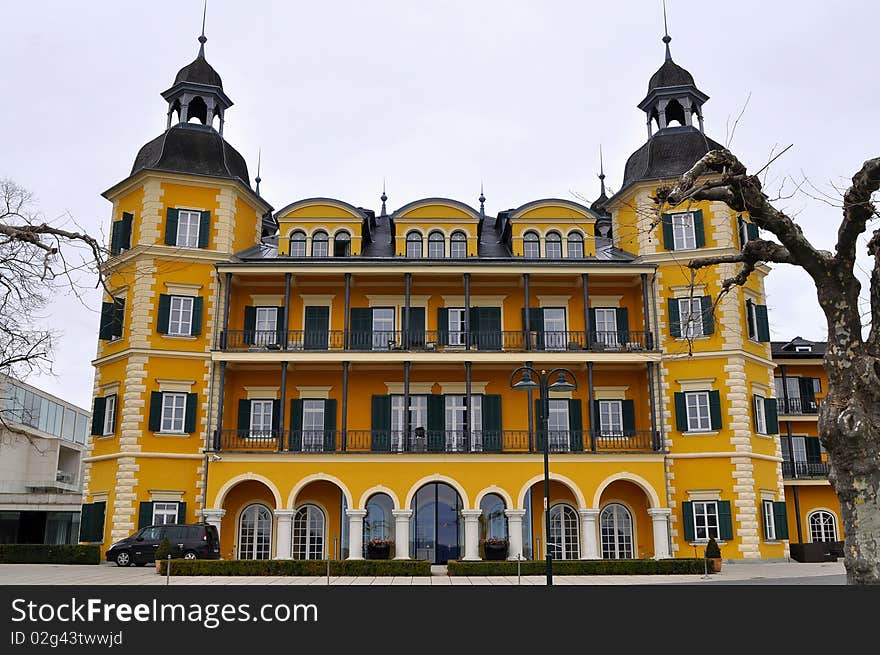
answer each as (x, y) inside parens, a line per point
(518, 565)
(168, 571)
(328, 571)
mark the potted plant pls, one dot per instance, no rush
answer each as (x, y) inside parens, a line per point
(495, 548)
(713, 552)
(162, 553)
(379, 548)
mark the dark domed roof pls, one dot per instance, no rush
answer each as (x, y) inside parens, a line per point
(669, 153)
(199, 72)
(192, 148)
(670, 74)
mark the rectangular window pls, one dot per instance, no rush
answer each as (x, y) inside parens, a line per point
(769, 521)
(606, 327)
(164, 513)
(691, 315)
(261, 418)
(188, 229)
(706, 520)
(313, 426)
(555, 336)
(760, 416)
(266, 325)
(611, 418)
(698, 416)
(456, 326)
(683, 234)
(110, 414)
(752, 318)
(559, 425)
(180, 316)
(173, 412)
(418, 418)
(383, 328)
(458, 247)
(799, 450)
(456, 423)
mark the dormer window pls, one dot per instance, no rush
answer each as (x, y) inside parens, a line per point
(413, 244)
(342, 244)
(320, 244)
(458, 245)
(575, 245)
(553, 246)
(531, 245)
(436, 245)
(298, 244)
(803, 349)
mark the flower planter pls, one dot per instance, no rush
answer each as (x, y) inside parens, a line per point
(716, 564)
(495, 552)
(378, 552)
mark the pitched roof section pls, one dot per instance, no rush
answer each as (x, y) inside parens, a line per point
(667, 154)
(670, 74)
(795, 349)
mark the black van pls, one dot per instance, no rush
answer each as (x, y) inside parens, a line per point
(199, 541)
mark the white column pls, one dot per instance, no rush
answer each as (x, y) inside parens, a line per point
(401, 532)
(514, 532)
(589, 544)
(471, 534)
(356, 533)
(214, 517)
(660, 519)
(283, 533)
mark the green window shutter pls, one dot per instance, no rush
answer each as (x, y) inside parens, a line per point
(780, 520)
(163, 314)
(687, 520)
(715, 409)
(596, 418)
(492, 430)
(622, 314)
(668, 239)
(417, 326)
(749, 327)
(244, 417)
(196, 326)
(699, 228)
(442, 326)
(125, 233)
(118, 317)
(814, 450)
(145, 515)
(489, 322)
(752, 231)
(98, 417)
(317, 319)
(725, 521)
(329, 425)
(181, 512)
(276, 415)
(115, 237)
(708, 318)
(591, 318)
(436, 413)
(279, 323)
(763, 323)
(91, 526)
(681, 417)
(575, 425)
(540, 425)
(740, 223)
(381, 424)
(155, 422)
(771, 414)
(296, 424)
(204, 229)
(536, 326)
(171, 217)
(674, 317)
(105, 329)
(361, 325)
(250, 324)
(629, 417)
(191, 413)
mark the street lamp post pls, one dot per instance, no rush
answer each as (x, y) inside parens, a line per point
(565, 381)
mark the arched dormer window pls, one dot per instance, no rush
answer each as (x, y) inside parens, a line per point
(575, 245)
(320, 244)
(553, 246)
(458, 245)
(531, 245)
(413, 244)
(342, 244)
(436, 245)
(298, 244)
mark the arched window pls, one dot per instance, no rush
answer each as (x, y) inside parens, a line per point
(617, 533)
(458, 245)
(531, 245)
(823, 526)
(493, 522)
(308, 533)
(564, 532)
(436, 245)
(320, 244)
(413, 244)
(379, 521)
(342, 244)
(298, 244)
(575, 245)
(255, 533)
(553, 246)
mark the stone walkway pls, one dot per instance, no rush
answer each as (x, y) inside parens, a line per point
(110, 574)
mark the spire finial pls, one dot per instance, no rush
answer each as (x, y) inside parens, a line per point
(383, 198)
(601, 172)
(482, 200)
(666, 37)
(203, 38)
(258, 179)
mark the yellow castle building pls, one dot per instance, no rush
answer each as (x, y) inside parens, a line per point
(324, 379)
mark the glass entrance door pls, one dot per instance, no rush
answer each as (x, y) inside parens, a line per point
(436, 523)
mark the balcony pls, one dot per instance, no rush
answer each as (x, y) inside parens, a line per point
(804, 470)
(798, 406)
(429, 441)
(440, 341)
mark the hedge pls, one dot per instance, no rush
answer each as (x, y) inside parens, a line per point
(298, 567)
(584, 567)
(49, 554)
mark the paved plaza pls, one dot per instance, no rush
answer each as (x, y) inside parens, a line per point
(110, 574)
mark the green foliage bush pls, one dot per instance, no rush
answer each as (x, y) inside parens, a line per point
(373, 567)
(164, 549)
(49, 554)
(712, 549)
(582, 567)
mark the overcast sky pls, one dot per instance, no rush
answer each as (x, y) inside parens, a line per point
(434, 97)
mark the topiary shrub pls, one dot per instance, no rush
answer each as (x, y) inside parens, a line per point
(164, 549)
(712, 549)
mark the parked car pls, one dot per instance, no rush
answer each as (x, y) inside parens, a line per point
(199, 541)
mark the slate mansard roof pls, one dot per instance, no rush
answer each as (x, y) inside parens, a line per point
(789, 349)
(669, 153)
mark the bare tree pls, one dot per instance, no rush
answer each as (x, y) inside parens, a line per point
(849, 419)
(38, 260)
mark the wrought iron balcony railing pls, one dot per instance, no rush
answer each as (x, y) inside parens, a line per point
(796, 470)
(798, 406)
